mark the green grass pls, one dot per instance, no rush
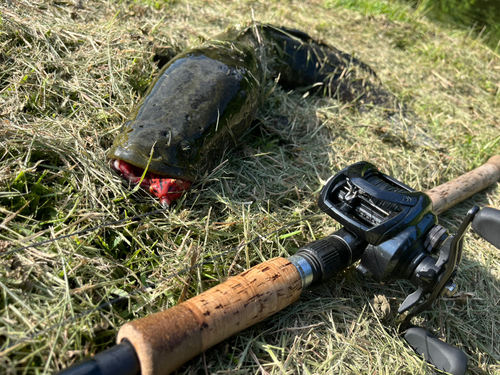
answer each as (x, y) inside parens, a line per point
(68, 78)
(395, 11)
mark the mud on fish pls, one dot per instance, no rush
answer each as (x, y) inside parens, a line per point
(203, 100)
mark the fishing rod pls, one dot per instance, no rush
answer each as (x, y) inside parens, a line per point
(391, 229)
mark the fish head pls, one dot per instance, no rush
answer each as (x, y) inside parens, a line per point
(196, 107)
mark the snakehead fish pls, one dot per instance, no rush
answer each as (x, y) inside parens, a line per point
(202, 101)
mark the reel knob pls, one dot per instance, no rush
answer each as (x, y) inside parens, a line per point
(440, 354)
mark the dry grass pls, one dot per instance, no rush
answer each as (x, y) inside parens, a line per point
(70, 73)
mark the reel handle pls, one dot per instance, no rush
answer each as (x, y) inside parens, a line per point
(443, 356)
(487, 225)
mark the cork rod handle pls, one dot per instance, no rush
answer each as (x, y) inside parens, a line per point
(165, 340)
(453, 192)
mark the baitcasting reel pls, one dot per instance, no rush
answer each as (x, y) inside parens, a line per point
(403, 235)
(392, 230)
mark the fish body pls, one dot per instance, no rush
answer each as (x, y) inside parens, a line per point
(203, 100)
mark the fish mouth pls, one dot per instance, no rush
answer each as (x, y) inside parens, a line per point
(165, 167)
(166, 189)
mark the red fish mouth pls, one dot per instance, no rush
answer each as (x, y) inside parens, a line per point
(166, 189)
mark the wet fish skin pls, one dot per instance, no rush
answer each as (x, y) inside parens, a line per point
(200, 102)
(302, 61)
(205, 98)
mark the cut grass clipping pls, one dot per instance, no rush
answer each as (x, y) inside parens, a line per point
(70, 72)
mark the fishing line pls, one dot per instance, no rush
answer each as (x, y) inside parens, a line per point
(133, 218)
(144, 288)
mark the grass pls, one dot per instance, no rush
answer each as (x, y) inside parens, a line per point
(69, 75)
